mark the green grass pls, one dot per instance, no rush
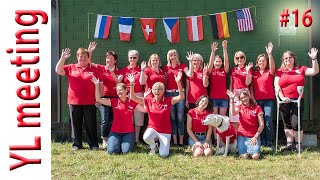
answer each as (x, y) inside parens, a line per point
(87, 164)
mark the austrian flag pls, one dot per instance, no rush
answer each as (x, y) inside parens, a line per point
(125, 27)
(148, 26)
(195, 29)
(172, 27)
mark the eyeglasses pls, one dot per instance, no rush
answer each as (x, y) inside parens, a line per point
(241, 57)
(133, 57)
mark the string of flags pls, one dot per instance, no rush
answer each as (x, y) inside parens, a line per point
(219, 24)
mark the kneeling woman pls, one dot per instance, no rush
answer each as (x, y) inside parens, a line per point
(122, 136)
(158, 108)
(251, 124)
(200, 135)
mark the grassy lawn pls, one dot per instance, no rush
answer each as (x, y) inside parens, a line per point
(87, 164)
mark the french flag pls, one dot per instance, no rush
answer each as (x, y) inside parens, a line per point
(195, 29)
(172, 29)
(125, 27)
(102, 26)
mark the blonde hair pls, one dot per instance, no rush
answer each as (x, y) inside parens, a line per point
(122, 85)
(295, 58)
(160, 84)
(235, 55)
(82, 51)
(172, 51)
(199, 57)
(154, 55)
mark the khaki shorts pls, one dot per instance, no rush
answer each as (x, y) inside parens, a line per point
(138, 117)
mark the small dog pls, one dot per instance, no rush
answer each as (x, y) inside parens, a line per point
(226, 133)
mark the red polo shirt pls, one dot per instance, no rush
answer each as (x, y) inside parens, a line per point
(238, 77)
(154, 77)
(81, 89)
(218, 84)
(248, 120)
(197, 119)
(196, 88)
(159, 114)
(109, 85)
(171, 72)
(136, 72)
(290, 80)
(263, 85)
(122, 115)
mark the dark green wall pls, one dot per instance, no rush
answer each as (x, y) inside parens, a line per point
(74, 30)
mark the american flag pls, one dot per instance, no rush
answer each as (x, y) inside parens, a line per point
(244, 19)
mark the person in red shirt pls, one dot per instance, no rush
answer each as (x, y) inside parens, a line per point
(177, 117)
(241, 77)
(251, 124)
(263, 91)
(158, 108)
(288, 77)
(133, 68)
(196, 85)
(122, 137)
(153, 73)
(200, 135)
(80, 96)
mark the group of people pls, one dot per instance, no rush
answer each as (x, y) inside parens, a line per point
(124, 96)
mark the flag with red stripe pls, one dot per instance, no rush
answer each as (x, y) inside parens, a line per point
(220, 27)
(102, 26)
(244, 19)
(195, 28)
(148, 26)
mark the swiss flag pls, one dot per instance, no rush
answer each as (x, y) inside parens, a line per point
(148, 26)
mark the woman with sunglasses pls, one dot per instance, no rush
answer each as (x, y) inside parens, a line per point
(251, 124)
(177, 115)
(241, 77)
(263, 91)
(288, 77)
(133, 68)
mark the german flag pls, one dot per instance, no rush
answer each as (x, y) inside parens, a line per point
(219, 23)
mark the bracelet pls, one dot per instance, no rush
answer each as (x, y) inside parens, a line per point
(142, 69)
(206, 141)
(314, 59)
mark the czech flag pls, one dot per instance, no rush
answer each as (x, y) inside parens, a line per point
(102, 26)
(125, 27)
(148, 26)
(195, 29)
(220, 28)
(172, 29)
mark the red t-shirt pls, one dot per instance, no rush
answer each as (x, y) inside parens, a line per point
(154, 77)
(238, 77)
(290, 80)
(109, 85)
(171, 72)
(248, 120)
(197, 119)
(218, 84)
(122, 115)
(263, 85)
(136, 72)
(231, 131)
(196, 88)
(81, 90)
(159, 114)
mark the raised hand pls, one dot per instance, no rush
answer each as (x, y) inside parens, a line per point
(269, 48)
(65, 54)
(92, 46)
(249, 66)
(214, 46)
(178, 77)
(230, 94)
(313, 53)
(143, 65)
(95, 80)
(147, 92)
(224, 44)
(130, 78)
(205, 68)
(189, 56)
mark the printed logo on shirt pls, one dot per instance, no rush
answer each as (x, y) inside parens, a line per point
(298, 72)
(130, 108)
(253, 113)
(89, 73)
(164, 107)
(200, 76)
(75, 73)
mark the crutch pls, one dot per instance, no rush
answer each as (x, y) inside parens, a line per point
(278, 108)
(298, 101)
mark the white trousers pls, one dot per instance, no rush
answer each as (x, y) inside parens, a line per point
(149, 137)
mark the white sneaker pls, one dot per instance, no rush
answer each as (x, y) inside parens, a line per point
(153, 151)
(104, 144)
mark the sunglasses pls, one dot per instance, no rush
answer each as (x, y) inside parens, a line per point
(241, 57)
(133, 57)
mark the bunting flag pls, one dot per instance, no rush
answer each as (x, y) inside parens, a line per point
(244, 19)
(148, 26)
(195, 29)
(102, 26)
(219, 23)
(172, 27)
(125, 27)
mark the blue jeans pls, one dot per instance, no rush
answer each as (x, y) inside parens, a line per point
(220, 103)
(266, 135)
(201, 139)
(245, 147)
(177, 115)
(106, 120)
(120, 142)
